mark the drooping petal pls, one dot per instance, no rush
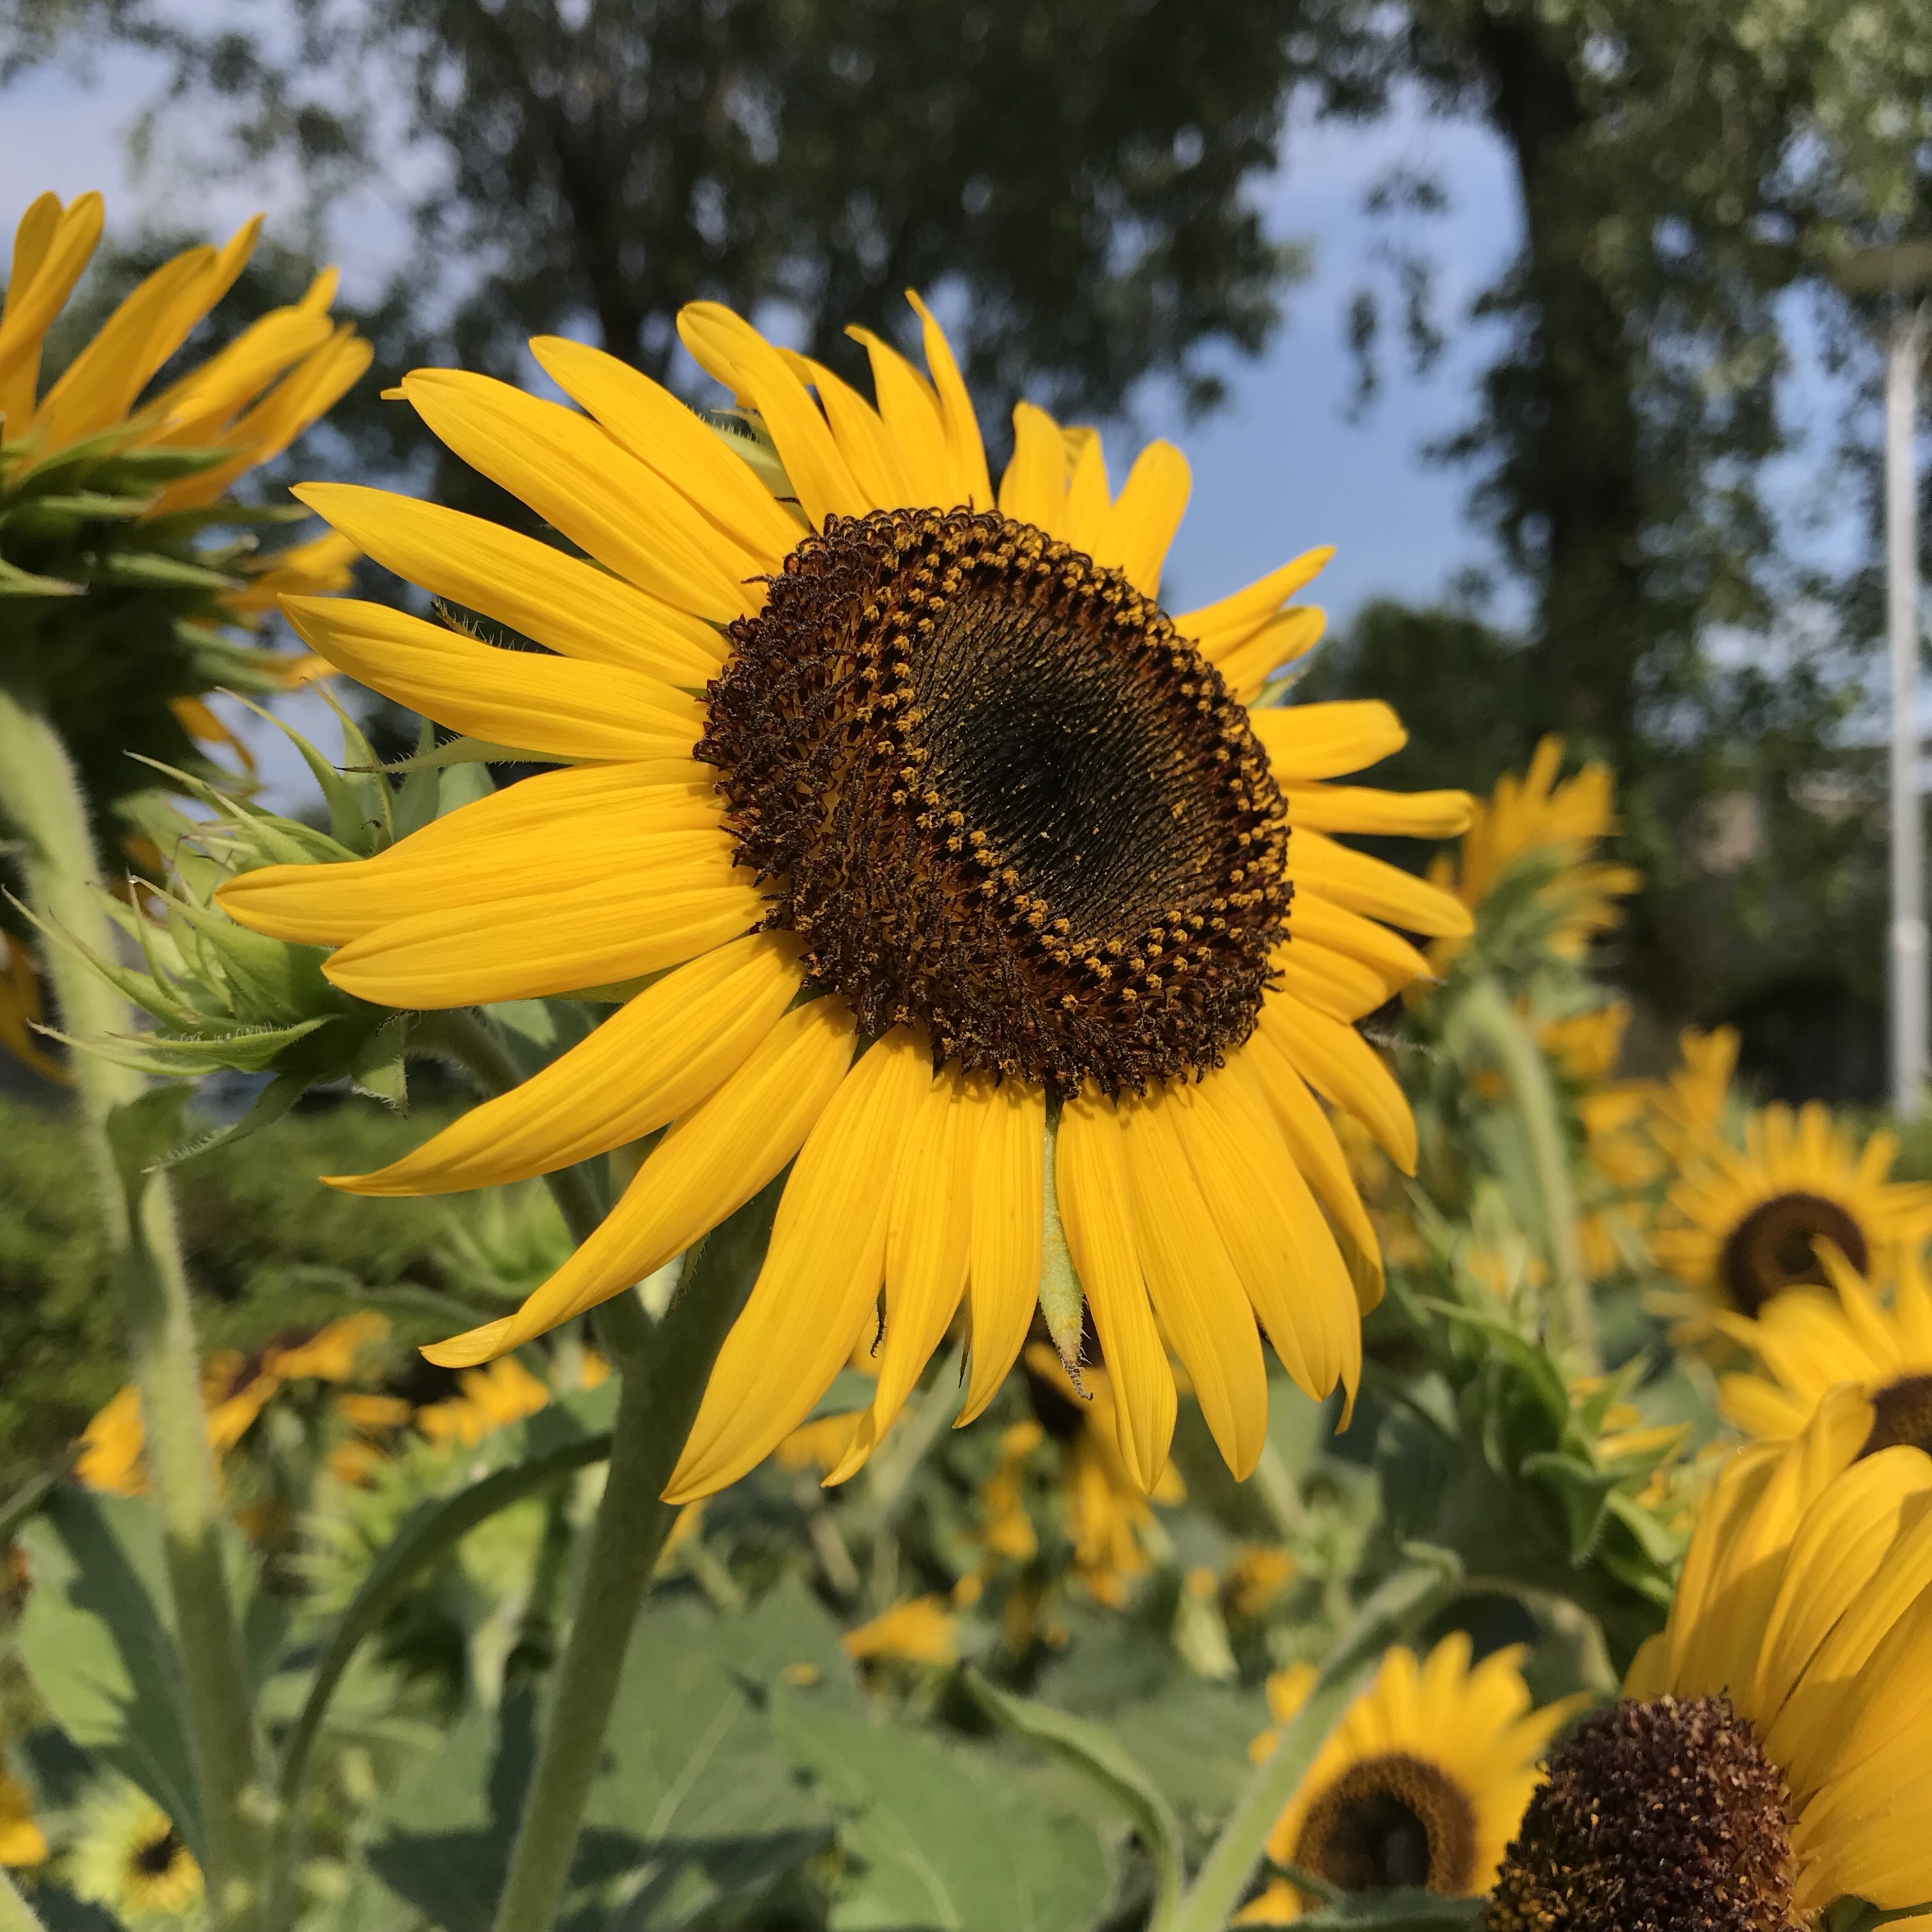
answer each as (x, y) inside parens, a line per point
(653, 1061)
(1199, 1296)
(1009, 1198)
(821, 1274)
(928, 1233)
(1097, 1211)
(708, 1164)
(1407, 814)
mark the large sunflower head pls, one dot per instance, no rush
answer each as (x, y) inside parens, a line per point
(127, 1856)
(133, 585)
(1421, 1784)
(1744, 1226)
(1808, 1341)
(1768, 1757)
(912, 830)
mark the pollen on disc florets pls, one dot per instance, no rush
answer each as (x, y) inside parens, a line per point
(998, 797)
(1660, 1817)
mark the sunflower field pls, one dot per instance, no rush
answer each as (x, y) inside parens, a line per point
(872, 1245)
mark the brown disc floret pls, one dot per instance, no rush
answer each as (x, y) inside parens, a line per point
(1770, 1248)
(998, 796)
(1390, 1822)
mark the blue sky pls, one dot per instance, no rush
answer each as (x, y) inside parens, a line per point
(1281, 467)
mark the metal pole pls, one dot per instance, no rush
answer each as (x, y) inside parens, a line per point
(1908, 978)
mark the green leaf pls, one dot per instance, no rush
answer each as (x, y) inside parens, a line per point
(945, 1840)
(1105, 1763)
(97, 1647)
(691, 1802)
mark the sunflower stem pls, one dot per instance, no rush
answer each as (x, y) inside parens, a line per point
(1402, 1603)
(1571, 1327)
(40, 797)
(664, 1368)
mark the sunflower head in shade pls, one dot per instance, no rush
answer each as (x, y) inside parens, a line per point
(1742, 1226)
(1421, 1784)
(1768, 1758)
(932, 858)
(133, 583)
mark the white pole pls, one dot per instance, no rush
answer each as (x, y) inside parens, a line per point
(1909, 978)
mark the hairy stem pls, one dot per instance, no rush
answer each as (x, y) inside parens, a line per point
(41, 799)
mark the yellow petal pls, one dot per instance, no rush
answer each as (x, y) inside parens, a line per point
(553, 599)
(1096, 1212)
(1219, 626)
(1196, 1290)
(562, 705)
(1087, 502)
(1009, 1209)
(1312, 917)
(663, 832)
(821, 1274)
(577, 478)
(1317, 1154)
(595, 935)
(653, 1061)
(661, 431)
(928, 1232)
(1342, 1066)
(728, 348)
(869, 451)
(1408, 815)
(956, 412)
(1248, 665)
(51, 247)
(1141, 522)
(1332, 982)
(1307, 742)
(708, 1164)
(910, 412)
(1375, 888)
(1033, 490)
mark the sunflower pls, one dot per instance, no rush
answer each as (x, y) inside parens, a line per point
(1768, 1756)
(1688, 1107)
(1534, 817)
(21, 1840)
(127, 1856)
(1742, 1226)
(917, 1629)
(132, 584)
(1807, 1342)
(1421, 1783)
(912, 829)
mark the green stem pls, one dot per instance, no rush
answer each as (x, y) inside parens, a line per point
(16, 1914)
(663, 1383)
(1401, 1604)
(1486, 1011)
(40, 797)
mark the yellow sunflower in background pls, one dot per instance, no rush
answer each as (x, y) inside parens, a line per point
(22, 1841)
(1421, 1784)
(1768, 1756)
(1741, 1226)
(127, 1855)
(928, 828)
(1807, 1342)
(1687, 1107)
(1534, 815)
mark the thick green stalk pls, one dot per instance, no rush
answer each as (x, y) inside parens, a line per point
(1488, 1014)
(1396, 1610)
(41, 800)
(664, 1371)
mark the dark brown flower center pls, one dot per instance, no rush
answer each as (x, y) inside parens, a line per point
(1901, 1415)
(998, 797)
(1770, 1249)
(1662, 1817)
(156, 1856)
(1390, 1822)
